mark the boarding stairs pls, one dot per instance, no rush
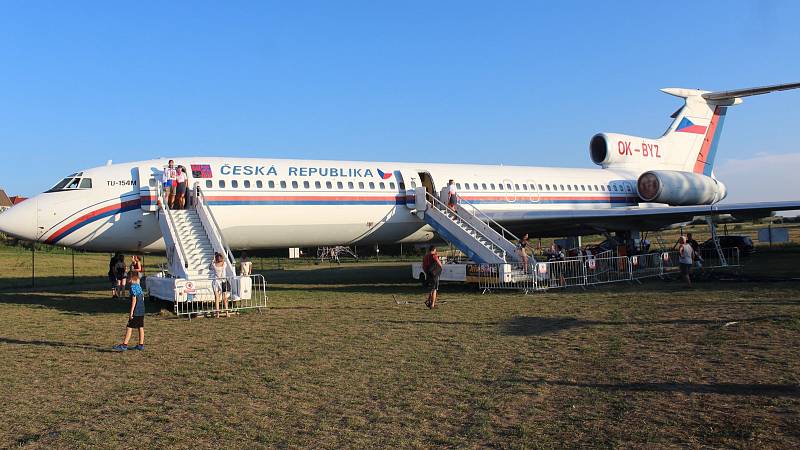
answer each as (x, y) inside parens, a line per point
(192, 237)
(468, 229)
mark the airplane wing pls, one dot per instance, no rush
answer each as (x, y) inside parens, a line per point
(643, 218)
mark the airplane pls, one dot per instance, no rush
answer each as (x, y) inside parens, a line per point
(640, 184)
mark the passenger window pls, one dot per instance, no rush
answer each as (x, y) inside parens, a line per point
(540, 187)
(569, 187)
(402, 186)
(295, 185)
(576, 186)
(588, 187)
(221, 183)
(371, 185)
(271, 184)
(86, 183)
(614, 186)
(547, 187)
(475, 186)
(628, 187)
(317, 184)
(458, 185)
(466, 186)
(339, 185)
(306, 184)
(247, 184)
(583, 187)
(259, 184)
(283, 184)
(500, 187)
(209, 184)
(413, 185)
(391, 185)
(561, 186)
(234, 184)
(350, 185)
(508, 186)
(382, 185)
(492, 186)
(516, 186)
(361, 185)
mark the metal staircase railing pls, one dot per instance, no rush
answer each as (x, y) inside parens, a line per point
(488, 220)
(216, 230)
(445, 210)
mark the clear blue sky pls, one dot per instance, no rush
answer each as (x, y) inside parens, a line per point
(482, 82)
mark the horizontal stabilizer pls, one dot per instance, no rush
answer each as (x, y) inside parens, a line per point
(729, 95)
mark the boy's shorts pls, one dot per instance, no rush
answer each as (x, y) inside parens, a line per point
(136, 322)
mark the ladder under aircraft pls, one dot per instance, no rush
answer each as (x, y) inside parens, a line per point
(468, 229)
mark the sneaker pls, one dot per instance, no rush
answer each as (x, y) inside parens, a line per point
(120, 347)
(138, 347)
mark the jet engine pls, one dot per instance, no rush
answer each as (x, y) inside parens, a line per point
(679, 188)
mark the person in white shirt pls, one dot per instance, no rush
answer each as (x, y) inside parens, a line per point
(452, 197)
(170, 175)
(686, 253)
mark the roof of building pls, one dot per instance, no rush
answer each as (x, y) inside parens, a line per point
(5, 202)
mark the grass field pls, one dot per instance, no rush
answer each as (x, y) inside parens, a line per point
(337, 362)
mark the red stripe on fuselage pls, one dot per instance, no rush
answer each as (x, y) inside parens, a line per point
(90, 215)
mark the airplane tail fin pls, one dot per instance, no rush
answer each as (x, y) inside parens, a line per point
(689, 144)
(695, 132)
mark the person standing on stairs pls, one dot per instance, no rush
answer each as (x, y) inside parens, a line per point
(221, 286)
(180, 179)
(452, 196)
(170, 174)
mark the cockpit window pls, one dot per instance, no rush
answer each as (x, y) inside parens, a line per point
(72, 182)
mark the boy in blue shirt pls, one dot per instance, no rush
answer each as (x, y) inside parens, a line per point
(136, 317)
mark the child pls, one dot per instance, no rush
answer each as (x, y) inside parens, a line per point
(136, 316)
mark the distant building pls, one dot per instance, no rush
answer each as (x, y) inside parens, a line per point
(5, 202)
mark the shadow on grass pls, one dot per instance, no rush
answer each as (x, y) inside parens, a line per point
(534, 326)
(55, 344)
(83, 282)
(74, 304)
(766, 390)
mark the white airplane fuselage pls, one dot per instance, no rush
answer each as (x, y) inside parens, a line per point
(274, 203)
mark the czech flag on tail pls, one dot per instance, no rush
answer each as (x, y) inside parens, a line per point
(686, 126)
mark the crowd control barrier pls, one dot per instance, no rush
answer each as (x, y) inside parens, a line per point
(591, 271)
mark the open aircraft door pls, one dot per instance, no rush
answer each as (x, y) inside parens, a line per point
(404, 188)
(148, 179)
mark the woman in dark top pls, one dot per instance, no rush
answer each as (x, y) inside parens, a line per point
(112, 277)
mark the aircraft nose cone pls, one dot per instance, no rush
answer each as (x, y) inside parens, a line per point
(20, 220)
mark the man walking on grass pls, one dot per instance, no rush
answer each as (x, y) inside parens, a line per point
(136, 316)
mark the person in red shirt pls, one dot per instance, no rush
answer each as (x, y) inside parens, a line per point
(433, 269)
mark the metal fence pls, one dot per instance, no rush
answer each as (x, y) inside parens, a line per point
(204, 297)
(591, 271)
